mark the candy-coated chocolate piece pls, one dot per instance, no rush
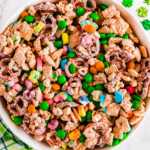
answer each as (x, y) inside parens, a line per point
(118, 97)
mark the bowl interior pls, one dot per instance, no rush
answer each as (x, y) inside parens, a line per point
(138, 29)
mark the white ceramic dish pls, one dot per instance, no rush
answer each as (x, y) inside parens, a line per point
(6, 21)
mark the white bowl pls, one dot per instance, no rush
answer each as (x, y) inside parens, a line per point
(8, 18)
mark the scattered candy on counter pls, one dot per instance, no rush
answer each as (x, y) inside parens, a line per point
(142, 11)
(127, 3)
(147, 2)
(146, 24)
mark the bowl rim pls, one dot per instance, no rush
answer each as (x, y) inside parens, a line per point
(19, 132)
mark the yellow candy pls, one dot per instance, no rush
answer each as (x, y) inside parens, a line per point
(39, 27)
(65, 38)
(64, 146)
(81, 111)
(34, 76)
(74, 135)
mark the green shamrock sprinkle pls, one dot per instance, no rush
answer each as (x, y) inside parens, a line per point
(147, 2)
(142, 11)
(146, 24)
(127, 3)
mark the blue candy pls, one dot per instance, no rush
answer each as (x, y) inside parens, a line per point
(84, 100)
(118, 97)
(63, 62)
(69, 49)
(104, 109)
(102, 99)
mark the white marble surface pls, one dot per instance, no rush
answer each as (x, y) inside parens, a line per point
(140, 139)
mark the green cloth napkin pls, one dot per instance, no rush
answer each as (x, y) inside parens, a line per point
(10, 142)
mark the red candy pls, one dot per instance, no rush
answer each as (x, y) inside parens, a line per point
(58, 99)
(53, 124)
(130, 89)
(50, 101)
(39, 64)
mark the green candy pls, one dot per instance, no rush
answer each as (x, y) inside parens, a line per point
(103, 6)
(58, 44)
(110, 35)
(107, 64)
(69, 98)
(82, 138)
(94, 16)
(136, 104)
(116, 142)
(125, 36)
(44, 105)
(72, 68)
(103, 35)
(54, 76)
(89, 116)
(80, 11)
(101, 57)
(83, 119)
(96, 104)
(62, 24)
(17, 120)
(88, 77)
(90, 89)
(61, 79)
(42, 87)
(100, 87)
(104, 41)
(71, 54)
(85, 85)
(136, 97)
(61, 133)
(29, 19)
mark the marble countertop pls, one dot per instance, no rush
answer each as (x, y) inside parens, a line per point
(140, 139)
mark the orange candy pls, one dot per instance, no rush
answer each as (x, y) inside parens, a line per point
(89, 28)
(130, 114)
(93, 70)
(23, 14)
(143, 51)
(74, 135)
(56, 87)
(31, 108)
(99, 66)
(131, 64)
